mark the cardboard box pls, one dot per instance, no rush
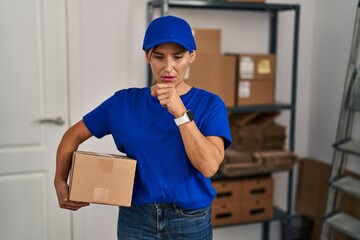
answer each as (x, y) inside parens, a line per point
(237, 163)
(102, 178)
(256, 66)
(259, 188)
(226, 213)
(256, 131)
(256, 210)
(215, 73)
(277, 160)
(227, 191)
(255, 92)
(208, 41)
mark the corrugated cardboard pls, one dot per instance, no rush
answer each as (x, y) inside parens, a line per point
(207, 40)
(256, 66)
(256, 92)
(102, 178)
(215, 73)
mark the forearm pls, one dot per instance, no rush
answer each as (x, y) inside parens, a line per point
(205, 153)
(69, 143)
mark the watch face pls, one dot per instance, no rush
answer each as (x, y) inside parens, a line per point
(190, 115)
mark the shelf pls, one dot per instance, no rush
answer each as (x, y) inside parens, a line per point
(348, 146)
(223, 5)
(345, 224)
(260, 108)
(348, 185)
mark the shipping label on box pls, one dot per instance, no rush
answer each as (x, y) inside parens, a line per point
(256, 92)
(102, 178)
(256, 66)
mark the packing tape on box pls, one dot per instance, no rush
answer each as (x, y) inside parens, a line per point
(106, 166)
(100, 195)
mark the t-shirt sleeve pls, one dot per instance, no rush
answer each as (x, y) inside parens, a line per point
(98, 120)
(217, 122)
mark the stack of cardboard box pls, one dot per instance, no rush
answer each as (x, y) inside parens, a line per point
(257, 131)
(256, 79)
(212, 70)
(239, 79)
(239, 201)
(258, 145)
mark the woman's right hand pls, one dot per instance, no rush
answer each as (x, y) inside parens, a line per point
(62, 192)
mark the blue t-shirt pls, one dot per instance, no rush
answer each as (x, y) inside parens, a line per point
(146, 131)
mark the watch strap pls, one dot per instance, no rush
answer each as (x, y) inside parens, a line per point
(187, 117)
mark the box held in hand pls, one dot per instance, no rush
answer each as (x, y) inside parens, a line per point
(102, 178)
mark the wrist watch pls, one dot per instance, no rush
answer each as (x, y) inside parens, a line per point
(187, 117)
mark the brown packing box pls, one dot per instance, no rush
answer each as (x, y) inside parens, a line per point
(258, 188)
(207, 40)
(227, 191)
(277, 160)
(102, 178)
(215, 73)
(242, 200)
(256, 210)
(256, 66)
(255, 92)
(226, 213)
(256, 131)
(256, 79)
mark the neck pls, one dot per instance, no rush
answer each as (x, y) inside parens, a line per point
(182, 88)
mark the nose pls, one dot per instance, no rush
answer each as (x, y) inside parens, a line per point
(169, 64)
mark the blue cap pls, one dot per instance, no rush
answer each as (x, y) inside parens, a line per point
(169, 29)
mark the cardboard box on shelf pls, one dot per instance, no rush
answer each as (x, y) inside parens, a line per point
(102, 178)
(256, 92)
(256, 210)
(245, 200)
(227, 191)
(256, 66)
(258, 188)
(277, 160)
(237, 163)
(208, 41)
(215, 73)
(226, 213)
(256, 131)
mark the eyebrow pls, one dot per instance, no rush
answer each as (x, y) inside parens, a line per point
(180, 52)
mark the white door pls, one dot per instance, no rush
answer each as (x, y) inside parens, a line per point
(33, 87)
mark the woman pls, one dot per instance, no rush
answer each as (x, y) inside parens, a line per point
(176, 132)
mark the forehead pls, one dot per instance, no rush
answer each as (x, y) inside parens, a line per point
(169, 47)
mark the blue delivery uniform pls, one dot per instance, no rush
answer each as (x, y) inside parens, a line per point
(146, 131)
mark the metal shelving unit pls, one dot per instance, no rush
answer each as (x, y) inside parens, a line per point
(272, 10)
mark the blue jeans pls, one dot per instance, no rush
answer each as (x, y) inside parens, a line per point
(164, 221)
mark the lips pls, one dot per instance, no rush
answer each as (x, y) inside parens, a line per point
(168, 78)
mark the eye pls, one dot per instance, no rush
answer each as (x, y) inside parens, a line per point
(178, 56)
(158, 56)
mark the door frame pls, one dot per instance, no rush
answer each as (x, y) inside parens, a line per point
(74, 92)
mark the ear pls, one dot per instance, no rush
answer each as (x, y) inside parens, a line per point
(192, 57)
(147, 56)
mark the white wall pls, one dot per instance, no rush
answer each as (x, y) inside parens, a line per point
(106, 38)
